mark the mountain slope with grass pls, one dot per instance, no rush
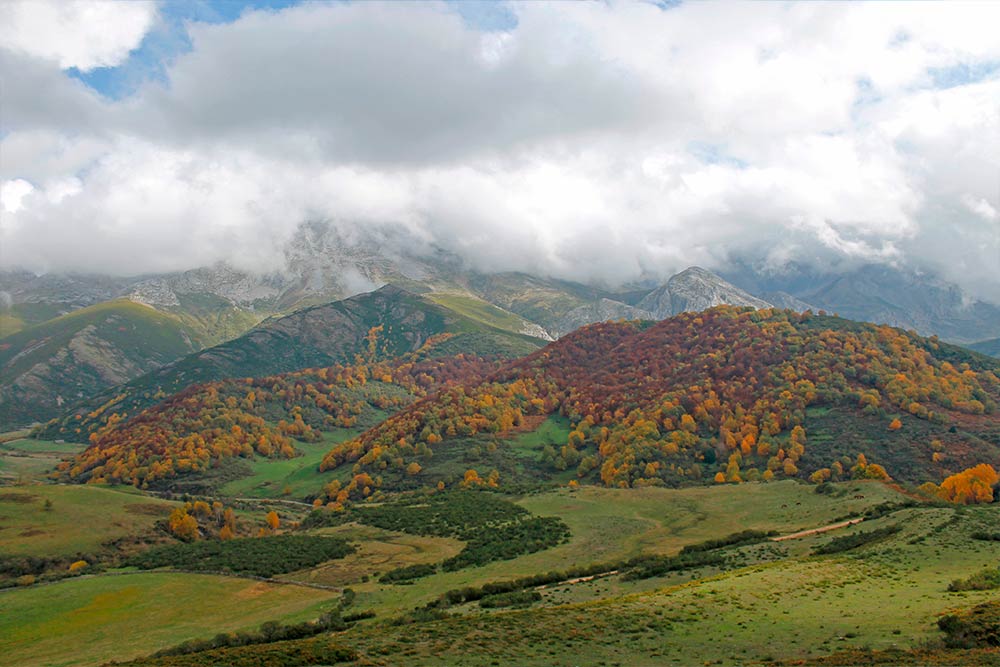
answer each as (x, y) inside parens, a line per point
(66, 359)
(380, 325)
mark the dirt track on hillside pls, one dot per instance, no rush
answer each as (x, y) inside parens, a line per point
(817, 531)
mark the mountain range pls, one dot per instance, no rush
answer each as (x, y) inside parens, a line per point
(61, 335)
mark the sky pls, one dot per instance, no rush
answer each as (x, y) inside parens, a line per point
(596, 141)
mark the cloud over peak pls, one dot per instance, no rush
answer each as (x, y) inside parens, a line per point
(585, 140)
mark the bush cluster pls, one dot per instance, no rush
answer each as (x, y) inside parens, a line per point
(262, 556)
(848, 542)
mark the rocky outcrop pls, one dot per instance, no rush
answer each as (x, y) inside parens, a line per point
(696, 289)
(603, 310)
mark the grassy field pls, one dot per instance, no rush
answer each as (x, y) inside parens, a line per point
(378, 552)
(772, 600)
(88, 621)
(553, 431)
(885, 595)
(611, 524)
(81, 518)
(27, 460)
(294, 478)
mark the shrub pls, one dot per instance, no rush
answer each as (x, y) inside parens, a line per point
(848, 542)
(263, 556)
(984, 580)
(512, 599)
(407, 574)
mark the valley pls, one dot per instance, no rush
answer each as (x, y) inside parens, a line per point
(763, 601)
(490, 333)
(400, 480)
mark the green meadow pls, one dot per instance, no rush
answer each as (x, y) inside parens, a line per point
(78, 518)
(295, 478)
(24, 460)
(90, 620)
(785, 604)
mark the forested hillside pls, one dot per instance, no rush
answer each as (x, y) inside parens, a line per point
(728, 395)
(725, 396)
(203, 426)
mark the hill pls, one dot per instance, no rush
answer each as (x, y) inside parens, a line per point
(61, 361)
(729, 394)
(384, 324)
(206, 426)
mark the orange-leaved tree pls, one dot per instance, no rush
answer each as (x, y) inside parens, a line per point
(971, 486)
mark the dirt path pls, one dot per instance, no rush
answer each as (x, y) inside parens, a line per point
(817, 531)
(577, 580)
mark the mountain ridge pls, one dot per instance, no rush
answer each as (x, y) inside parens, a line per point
(312, 337)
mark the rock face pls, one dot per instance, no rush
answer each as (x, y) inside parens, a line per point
(899, 297)
(696, 289)
(603, 310)
(923, 303)
(693, 289)
(236, 287)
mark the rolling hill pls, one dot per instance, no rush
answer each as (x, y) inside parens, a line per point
(72, 357)
(727, 395)
(379, 325)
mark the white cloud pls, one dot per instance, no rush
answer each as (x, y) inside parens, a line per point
(12, 194)
(594, 141)
(982, 208)
(75, 33)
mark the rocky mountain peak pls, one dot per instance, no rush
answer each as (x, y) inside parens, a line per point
(695, 289)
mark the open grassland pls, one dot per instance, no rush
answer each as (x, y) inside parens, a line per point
(884, 595)
(298, 477)
(24, 460)
(88, 621)
(614, 524)
(80, 519)
(551, 432)
(767, 600)
(378, 551)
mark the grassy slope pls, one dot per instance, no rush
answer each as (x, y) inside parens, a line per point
(83, 353)
(539, 300)
(132, 327)
(270, 478)
(82, 518)
(884, 595)
(88, 621)
(609, 524)
(23, 315)
(783, 603)
(314, 337)
(25, 460)
(481, 311)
